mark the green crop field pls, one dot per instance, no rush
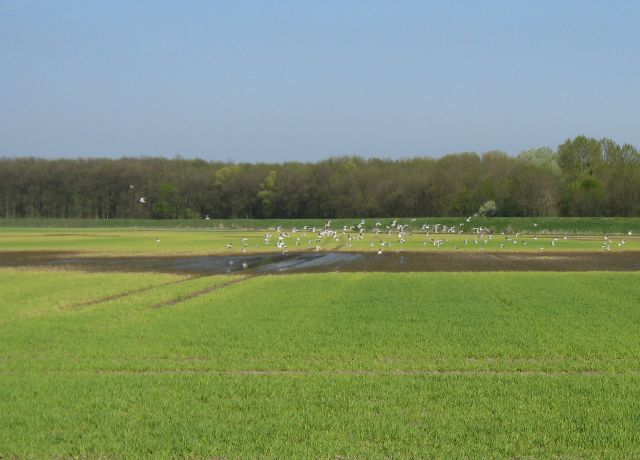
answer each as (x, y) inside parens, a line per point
(194, 241)
(325, 365)
(355, 365)
(565, 225)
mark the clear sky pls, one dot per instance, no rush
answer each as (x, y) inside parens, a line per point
(305, 80)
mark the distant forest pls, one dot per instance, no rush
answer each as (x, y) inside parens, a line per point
(583, 177)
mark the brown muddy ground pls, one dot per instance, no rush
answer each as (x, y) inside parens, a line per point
(332, 262)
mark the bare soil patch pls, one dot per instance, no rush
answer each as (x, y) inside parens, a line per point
(322, 262)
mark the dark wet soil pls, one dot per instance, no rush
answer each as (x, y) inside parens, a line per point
(332, 262)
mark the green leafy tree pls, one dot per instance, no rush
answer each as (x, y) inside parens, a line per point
(166, 206)
(267, 194)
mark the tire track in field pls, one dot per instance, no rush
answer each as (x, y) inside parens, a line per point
(201, 292)
(351, 373)
(399, 373)
(124, 294)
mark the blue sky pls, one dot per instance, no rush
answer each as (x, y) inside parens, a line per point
(305, 80)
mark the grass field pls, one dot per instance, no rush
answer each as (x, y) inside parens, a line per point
(193, 241)
(354, 365)
(565, 225)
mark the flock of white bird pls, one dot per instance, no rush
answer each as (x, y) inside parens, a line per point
(384, 238)
(314, 237)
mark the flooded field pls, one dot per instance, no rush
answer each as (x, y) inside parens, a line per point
(331, 262)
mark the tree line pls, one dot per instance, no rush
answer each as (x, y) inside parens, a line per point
(582, 177)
